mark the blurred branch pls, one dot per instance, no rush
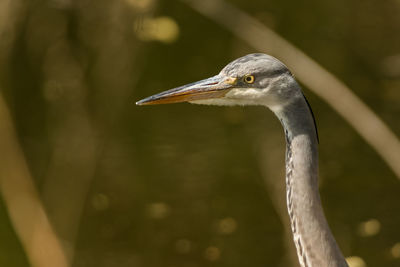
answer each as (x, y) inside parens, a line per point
(73, 143)
(17, 188)
(22, 200)
(324, 84)
(84, 106)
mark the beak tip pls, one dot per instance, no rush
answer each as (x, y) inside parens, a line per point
(141, 102)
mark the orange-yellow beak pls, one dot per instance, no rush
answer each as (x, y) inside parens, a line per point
(214, 87)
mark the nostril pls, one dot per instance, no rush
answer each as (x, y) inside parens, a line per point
(214, 83)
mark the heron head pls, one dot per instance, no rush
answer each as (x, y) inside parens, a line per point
(255, 79)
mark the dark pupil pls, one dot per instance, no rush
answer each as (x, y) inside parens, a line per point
(248, 79)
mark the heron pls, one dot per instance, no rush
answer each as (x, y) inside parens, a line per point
(262, 80)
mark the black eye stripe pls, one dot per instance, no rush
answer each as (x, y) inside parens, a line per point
(270, 74)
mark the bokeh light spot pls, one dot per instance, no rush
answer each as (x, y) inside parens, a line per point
(369, 228)
(227, 226)
(391, 65)
(100, 202)
(355, 261)
(140, 5)
(395, 250)
(212, 253)
(158, 210)
(162, 29)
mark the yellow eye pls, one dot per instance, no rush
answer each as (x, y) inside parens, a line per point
(249, 79)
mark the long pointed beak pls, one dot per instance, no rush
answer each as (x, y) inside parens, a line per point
(214, 87)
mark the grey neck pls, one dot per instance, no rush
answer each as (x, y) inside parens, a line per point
(313, 239)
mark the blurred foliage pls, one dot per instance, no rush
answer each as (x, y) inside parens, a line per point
(181, 185)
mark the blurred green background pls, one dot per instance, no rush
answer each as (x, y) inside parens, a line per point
(185, 185)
